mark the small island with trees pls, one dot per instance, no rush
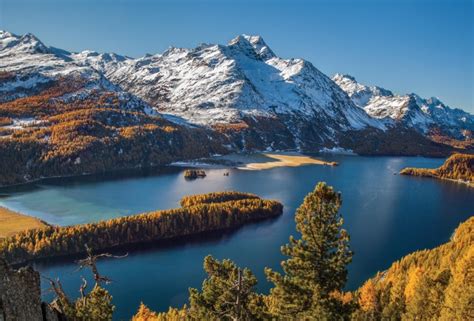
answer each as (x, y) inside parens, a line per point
(458, 167)
(191, 174)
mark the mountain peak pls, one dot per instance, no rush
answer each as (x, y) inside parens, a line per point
(7, 39)
(5, 34)
(340, 77)
(253, 44)
(27, 43)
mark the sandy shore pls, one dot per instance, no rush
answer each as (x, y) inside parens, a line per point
(272, 160)
(13, 222)
(255, 161)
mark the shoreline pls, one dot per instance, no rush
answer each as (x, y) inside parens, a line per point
(456, 168)
(458, 181)
(13, 222)
(183, 163)
(255, 161)
(285, 160)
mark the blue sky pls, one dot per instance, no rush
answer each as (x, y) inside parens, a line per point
(407, 46)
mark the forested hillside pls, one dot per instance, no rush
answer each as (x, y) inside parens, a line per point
(67, 129)
(436, 284)
(65, 113)
(456, 167)
(206, 213)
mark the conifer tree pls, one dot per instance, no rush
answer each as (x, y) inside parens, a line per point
(227, 293)
(459, 299)
(96, 305)
(316, 267)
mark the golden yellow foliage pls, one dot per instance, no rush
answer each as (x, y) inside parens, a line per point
(425, 285)
(368, 297)
(12, 223)
(173, 314)
(152, 226)
(456, 167)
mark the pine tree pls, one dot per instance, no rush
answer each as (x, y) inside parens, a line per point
(316, 267)
(96, 305)
(227, 293)
(459, 299)
(394, 309)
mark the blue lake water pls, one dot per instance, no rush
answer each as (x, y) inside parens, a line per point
(387, 216)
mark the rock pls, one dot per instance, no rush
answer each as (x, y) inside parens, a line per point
(20, 296)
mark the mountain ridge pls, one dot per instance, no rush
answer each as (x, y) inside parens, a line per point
(232, 98)
(409, 109)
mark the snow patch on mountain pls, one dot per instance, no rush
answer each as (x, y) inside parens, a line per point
(222, 84)
(214, 84)
(410, 109)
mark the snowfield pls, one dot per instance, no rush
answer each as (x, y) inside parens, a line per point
(410, 109)
(215, 84)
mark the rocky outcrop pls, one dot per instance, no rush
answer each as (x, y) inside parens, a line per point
(20, 296)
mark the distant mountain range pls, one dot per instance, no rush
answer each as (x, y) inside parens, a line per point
(410, 110)
(244, 95)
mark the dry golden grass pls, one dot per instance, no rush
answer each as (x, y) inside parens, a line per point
(12, 222)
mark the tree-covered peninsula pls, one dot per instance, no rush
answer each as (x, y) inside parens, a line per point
(198, 214)
(458, 167)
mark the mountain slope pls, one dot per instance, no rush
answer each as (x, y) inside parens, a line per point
(243, 90)
(64, 113)
(242, 84)
(221, 84)
(431, 284)
(424, 115)
(58, 117)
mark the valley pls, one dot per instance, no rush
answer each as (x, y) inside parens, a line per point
(238, 179)
(73, 113)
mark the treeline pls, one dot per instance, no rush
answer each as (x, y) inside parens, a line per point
(395, 141)
(152, 226)
(456, 167)
(92, 134)
(435, 284)
(216, 197)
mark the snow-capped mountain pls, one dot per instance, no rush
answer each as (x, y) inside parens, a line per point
(28, 66)
(222, 84)
(242, 90)
(410, 109)
(211, 85)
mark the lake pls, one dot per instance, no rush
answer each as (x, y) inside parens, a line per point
(387, 216)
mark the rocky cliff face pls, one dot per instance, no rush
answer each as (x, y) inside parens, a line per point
(20, 296)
